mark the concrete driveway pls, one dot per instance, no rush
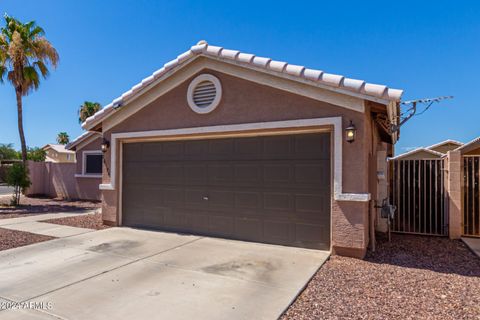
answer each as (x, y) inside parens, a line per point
(123, 273)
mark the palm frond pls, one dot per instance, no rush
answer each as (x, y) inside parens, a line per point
(42, 68)
(31, 79)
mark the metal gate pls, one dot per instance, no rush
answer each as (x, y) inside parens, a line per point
(471, 195)
(417, 190)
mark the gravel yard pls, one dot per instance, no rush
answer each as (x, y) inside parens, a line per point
(13, 238)
(90, 221)
(413, 277)
(37, 205)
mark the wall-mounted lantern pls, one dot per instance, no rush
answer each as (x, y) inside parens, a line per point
(105, 145)
(350, 132)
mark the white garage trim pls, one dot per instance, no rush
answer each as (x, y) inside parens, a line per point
(245, 130)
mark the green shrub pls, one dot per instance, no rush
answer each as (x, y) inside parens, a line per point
(17, 177)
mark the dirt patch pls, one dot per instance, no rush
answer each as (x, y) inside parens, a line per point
(89, 221)
(13, 238)
(36, 205)
(412, 277)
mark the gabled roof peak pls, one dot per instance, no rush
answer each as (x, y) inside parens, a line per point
(369, 91)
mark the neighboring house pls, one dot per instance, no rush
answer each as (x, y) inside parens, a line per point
(58, 153)
(436, 151)
(445, 146)
(229, 144)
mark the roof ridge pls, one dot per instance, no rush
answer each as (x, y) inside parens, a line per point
(203, 48)
(445, 142)
(416, 150)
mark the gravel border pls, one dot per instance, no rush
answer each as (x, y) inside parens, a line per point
(89, 221)
(413, 277)
(13, 238)
(30, 206)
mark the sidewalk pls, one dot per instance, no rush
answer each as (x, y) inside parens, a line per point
(33, 224)
(473, 244)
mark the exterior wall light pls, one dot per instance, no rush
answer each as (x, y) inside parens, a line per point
(105, 145)
(350, 132)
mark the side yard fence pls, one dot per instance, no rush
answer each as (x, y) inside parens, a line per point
(57, 180)
(436, 197)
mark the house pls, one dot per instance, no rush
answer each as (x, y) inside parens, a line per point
(58, 153)
(436, 151)
(88, 169)
(230, 144)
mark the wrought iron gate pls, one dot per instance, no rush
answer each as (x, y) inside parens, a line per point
(471, 195)
(417, 190)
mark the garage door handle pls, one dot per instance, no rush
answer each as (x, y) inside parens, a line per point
(205, 198)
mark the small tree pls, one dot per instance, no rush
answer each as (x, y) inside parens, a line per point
(36, 154)
(63, 138)
(7, 152)
(17, 177)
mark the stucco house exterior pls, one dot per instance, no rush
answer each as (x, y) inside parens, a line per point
(230, 144)
(58, 153)
(88, 169)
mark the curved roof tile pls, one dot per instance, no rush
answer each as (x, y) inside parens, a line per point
(318, 76)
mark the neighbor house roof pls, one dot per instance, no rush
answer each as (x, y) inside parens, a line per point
(81, 138)
(417, 150)
(448, 141)
(339, 83)
(60, 148)
(469, 145)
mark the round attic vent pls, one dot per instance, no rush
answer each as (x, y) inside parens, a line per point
(204, 93)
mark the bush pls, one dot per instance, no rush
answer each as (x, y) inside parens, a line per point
(17, 177)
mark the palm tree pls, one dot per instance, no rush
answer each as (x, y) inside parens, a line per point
(24, 56)
(87, 109)
(63, 138)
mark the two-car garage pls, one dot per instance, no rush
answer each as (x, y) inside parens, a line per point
(271, 189)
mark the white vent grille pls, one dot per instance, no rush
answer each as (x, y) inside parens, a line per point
(204, 94)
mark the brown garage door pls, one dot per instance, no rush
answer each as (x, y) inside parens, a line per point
(272, 189)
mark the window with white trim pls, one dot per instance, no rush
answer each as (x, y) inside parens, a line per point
(92, 163)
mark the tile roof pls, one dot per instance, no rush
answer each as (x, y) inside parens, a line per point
(57, 147)
(203, 48)
(448, 141)
(79, 139)
(403, 155)
(468, 144)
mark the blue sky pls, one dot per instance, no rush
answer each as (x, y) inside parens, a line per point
(427, 48)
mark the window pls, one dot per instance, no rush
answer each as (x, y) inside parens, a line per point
(92, 163)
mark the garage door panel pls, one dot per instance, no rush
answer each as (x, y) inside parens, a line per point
(222, 226)
(278, 231)
(247, 147)
(219, 173)
(277, 173)
(173, 196)
(273, 189)
(221, 199)
(154, 215)
(247, 200)
(248, 228)
(308, 234)
(195, 174)
(248, 173)
(277, 201)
